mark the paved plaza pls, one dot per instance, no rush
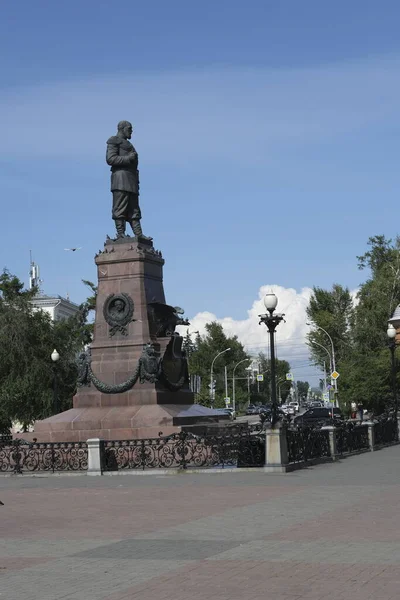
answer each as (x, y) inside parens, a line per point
(328, 532)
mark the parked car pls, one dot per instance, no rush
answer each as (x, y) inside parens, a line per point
(228, 411)
(251, 410)
(318, 415)
(287, 409)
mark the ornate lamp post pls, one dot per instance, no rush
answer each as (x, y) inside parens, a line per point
(272, 320)
(55, 357)
(391, 333)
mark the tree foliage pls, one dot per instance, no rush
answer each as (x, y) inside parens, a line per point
(27, 339)
(201, 353)
(358, 329)
(282, 367)
(302, 389)
(333, 311)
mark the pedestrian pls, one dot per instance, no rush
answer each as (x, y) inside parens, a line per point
(353, 412)
(360, 410)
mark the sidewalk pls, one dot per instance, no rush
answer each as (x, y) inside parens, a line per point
(328, 532)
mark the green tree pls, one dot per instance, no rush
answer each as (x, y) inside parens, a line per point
(27, 339)
(203, 351)
(359, 333)
(282, 367)
(302, 389)
(333, 311)
(379, 295)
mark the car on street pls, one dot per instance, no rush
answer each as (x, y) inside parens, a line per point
(228, 411)
(295, 406)
(265, 415)
(314, 416)
(251, 410)
(287, 409)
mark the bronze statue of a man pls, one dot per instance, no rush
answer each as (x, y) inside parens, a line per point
(123, 160)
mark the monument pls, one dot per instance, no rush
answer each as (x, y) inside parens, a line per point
(133, 381)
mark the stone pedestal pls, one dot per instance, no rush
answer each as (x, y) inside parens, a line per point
(130, 313)
(276, 452)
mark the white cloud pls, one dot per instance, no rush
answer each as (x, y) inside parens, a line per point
(234, 114)
(291, 334)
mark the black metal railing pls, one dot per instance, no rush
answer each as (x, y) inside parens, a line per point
(20, 456)
(185, 450)
(351, 438)
(386, 432)
(307, 443)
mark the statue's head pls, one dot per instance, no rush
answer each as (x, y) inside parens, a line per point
(119, 305)
(149, 349)
(125, 129)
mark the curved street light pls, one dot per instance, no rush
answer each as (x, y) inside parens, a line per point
(333, 357)
(211, 375)
(233, 382)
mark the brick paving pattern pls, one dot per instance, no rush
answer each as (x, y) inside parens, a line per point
(327, 532)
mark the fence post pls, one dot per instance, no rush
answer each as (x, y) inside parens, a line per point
(332, 440)
(94, 458)
(371, 434)
(276, 452)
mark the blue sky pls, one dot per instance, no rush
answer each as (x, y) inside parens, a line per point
(267, 135)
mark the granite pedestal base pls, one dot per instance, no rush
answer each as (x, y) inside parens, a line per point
(129, 271)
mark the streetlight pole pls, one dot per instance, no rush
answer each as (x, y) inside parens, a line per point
(212, 394)
(391, 333)
(330, 363)
(55, 357)
(233, 382)
(272, 321)
(333, 359)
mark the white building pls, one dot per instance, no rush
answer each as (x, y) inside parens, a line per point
(57, 307)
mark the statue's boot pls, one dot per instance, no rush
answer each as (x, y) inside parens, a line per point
(137, 230)
(120, 225)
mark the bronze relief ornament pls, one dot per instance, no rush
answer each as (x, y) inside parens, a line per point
(118, 312)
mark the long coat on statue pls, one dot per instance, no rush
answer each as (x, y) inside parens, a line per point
(124, 173)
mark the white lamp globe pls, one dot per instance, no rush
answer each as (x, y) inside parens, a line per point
(270, 301)
(391, 331)
(55, 356)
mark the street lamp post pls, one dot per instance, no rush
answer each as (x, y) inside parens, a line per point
(55, 357)
(330, 363)
(391, 333)
(333, 360)
(272, 321)
(233, 382)
(211, 376)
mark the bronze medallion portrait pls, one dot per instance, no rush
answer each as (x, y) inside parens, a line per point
(118, 313)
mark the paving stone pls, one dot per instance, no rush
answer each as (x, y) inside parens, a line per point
(328, 532)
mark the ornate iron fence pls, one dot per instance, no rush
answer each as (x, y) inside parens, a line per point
(386, 432)
(351, 438)
(307, 443)
(19, 456)
(186, 450)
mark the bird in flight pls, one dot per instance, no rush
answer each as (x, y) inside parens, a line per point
(73, 249)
